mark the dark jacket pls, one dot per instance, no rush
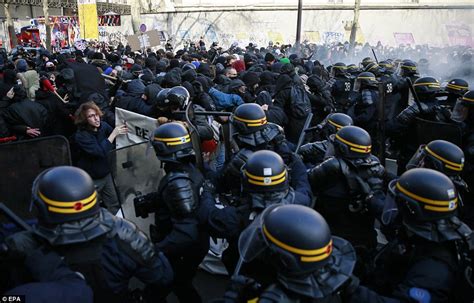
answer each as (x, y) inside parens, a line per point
(93, 150)
(282, 99)
(23, 114)
(59, 121)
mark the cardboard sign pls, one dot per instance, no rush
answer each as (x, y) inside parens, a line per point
(147, 39)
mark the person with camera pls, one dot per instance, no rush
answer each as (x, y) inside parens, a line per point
(177, 232)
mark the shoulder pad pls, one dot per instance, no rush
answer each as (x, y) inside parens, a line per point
(180, 196)
(274, 126)
(419, 295)
(273, 294)
(133, 240)
(171, 176)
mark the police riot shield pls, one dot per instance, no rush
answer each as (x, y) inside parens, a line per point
(136, 171)
(427, 131)
(21, 162)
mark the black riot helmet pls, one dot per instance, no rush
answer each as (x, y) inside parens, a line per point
(172, 142)
(408, 68)
(387, 67)
(338, 69)
(353, 69)
(162, 98)
(333, 123)
(352, 142)
(457, 87)
(248, 118)
(461, 110)
(426, 86)
(366, 61)
(297, 241)
(364, 80)
(264, 171)
(439, 155)
(178, 97)
(427, 201)
(66, 200)
(373, 68)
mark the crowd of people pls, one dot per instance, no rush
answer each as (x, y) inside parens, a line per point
(299, 189)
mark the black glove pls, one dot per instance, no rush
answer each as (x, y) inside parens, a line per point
(21, 244)
(349, 287)
(241, 289)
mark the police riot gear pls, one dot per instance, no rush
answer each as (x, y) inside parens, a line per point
(340, 84)
(315, 152)
(426, 87)
(365, 80)
(352, 142)
(248, 118)
(461, 109)
(408, 68)
(264, 171)
(457, 87)
(310, 263)
(338, 69)
(439, 155)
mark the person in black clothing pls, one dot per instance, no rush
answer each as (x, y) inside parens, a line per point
(301, 264)
(60, 120)
(177, 231)
(94, 140)
(350, 188)
(425, 262)
(54, 281)
(107, 250)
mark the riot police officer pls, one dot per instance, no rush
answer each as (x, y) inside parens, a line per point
(108, 251)
(408, 70)
(456, 88)
(171, 100)
(252, 132)
(177, 232)
(315, 152)
(447, 158)
(265, 181)
(349, 187)
(364, 105)
(463, 115)
(305, 264)
(390, 84)
(402, 128)
(426, 262)
(340, 86)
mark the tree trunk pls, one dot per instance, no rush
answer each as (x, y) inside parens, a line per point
(355, 24)
(10, 27)
(47, 24)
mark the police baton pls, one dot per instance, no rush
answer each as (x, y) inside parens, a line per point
(415, 96)
(12, 217)
(375, 56)
(303, 131)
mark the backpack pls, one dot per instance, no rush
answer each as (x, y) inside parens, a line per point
(300, 104)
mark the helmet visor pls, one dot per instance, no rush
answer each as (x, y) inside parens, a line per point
(460, 112)
(417, 159)
(390, 209)
(251, 241)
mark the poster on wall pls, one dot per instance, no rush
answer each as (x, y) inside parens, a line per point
(459, 34)
(64, 30)
(404, 38)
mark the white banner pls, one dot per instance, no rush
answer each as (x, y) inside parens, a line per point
(140, 128)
